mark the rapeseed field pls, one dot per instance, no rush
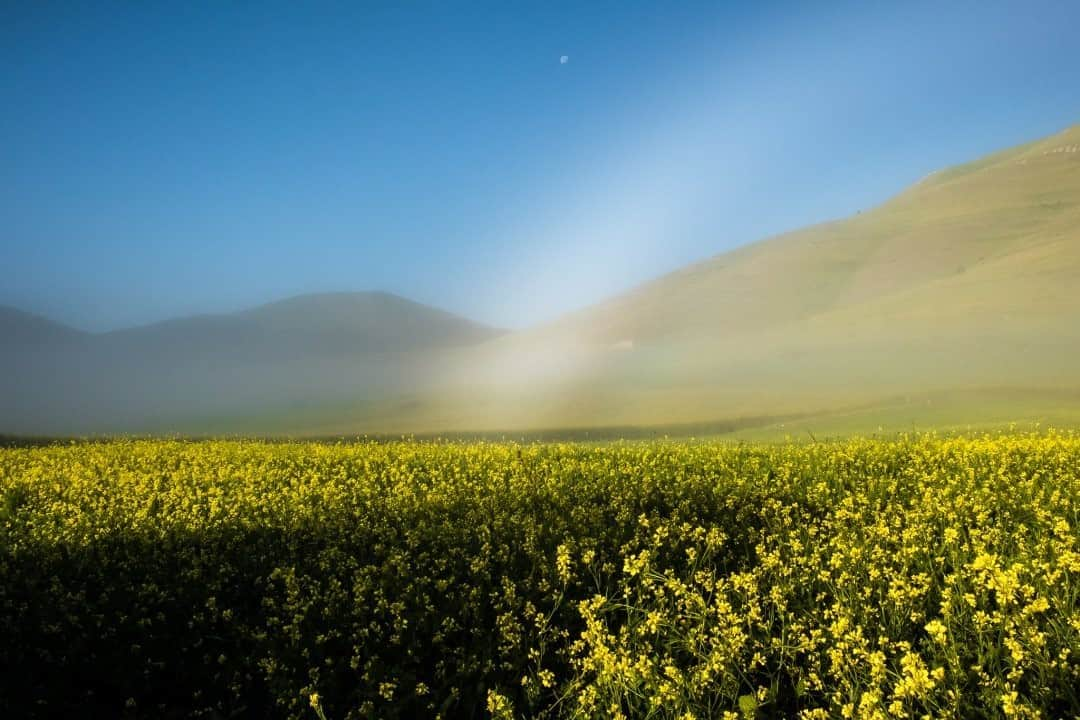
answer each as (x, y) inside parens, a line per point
(908, 578)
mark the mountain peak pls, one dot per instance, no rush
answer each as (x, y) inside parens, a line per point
(20, 327)
(381, 319)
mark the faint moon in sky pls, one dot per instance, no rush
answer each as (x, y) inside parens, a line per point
(563, 59)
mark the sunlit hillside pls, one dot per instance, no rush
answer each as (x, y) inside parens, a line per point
(953, 303)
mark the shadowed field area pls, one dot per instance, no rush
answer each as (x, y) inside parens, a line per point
(254, 579)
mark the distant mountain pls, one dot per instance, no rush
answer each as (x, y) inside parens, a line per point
(18, 328)
(188, 373)
(310, 325)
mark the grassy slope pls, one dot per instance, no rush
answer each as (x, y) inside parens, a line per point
(962, 289)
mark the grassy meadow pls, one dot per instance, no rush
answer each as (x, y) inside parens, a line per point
(921, 576)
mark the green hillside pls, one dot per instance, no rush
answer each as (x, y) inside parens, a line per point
(964, 290)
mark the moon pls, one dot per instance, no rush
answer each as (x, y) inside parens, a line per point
(563, 59)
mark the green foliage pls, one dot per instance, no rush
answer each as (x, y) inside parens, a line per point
(229, 579)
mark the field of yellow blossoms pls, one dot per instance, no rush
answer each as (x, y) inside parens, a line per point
(910, 578)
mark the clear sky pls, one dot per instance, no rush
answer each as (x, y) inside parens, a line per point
(159, 159)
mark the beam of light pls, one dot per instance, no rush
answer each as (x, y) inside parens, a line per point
(732, 127)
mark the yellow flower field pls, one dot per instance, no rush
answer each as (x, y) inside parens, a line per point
(920, 577)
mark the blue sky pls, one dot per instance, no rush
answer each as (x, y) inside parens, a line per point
(159, 159)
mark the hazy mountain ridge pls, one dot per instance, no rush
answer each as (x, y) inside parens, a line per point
(18, 327)
(368, 321)
(184, 372)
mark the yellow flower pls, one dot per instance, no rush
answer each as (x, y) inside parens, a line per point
(937, 631)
